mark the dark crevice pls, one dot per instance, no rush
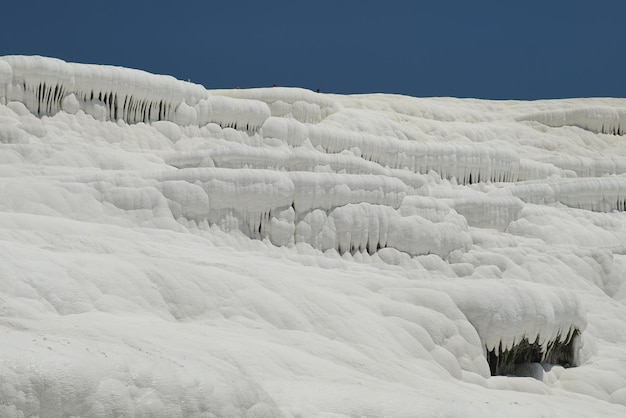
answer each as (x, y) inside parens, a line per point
(507, 362)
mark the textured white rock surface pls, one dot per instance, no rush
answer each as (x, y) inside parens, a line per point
(170, 251)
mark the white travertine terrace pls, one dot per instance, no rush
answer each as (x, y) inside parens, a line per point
(172, 251)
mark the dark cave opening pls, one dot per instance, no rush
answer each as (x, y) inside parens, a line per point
(507, 362)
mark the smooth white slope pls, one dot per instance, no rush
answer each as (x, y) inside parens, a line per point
(278, 252)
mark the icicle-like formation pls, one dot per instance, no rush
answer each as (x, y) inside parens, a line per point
(46, 86)
(365, 227)
(467, 164)
(561, 351)
(603, 194)
(598, 194)
(291, 159)
(524, 321)
(347, 213)
(601, 119)
(241, 114)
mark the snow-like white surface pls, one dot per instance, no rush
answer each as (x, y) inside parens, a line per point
(171, 251)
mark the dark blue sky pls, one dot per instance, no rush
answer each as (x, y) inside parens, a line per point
(489, 49)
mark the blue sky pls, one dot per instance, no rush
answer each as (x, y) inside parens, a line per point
(487, 49)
